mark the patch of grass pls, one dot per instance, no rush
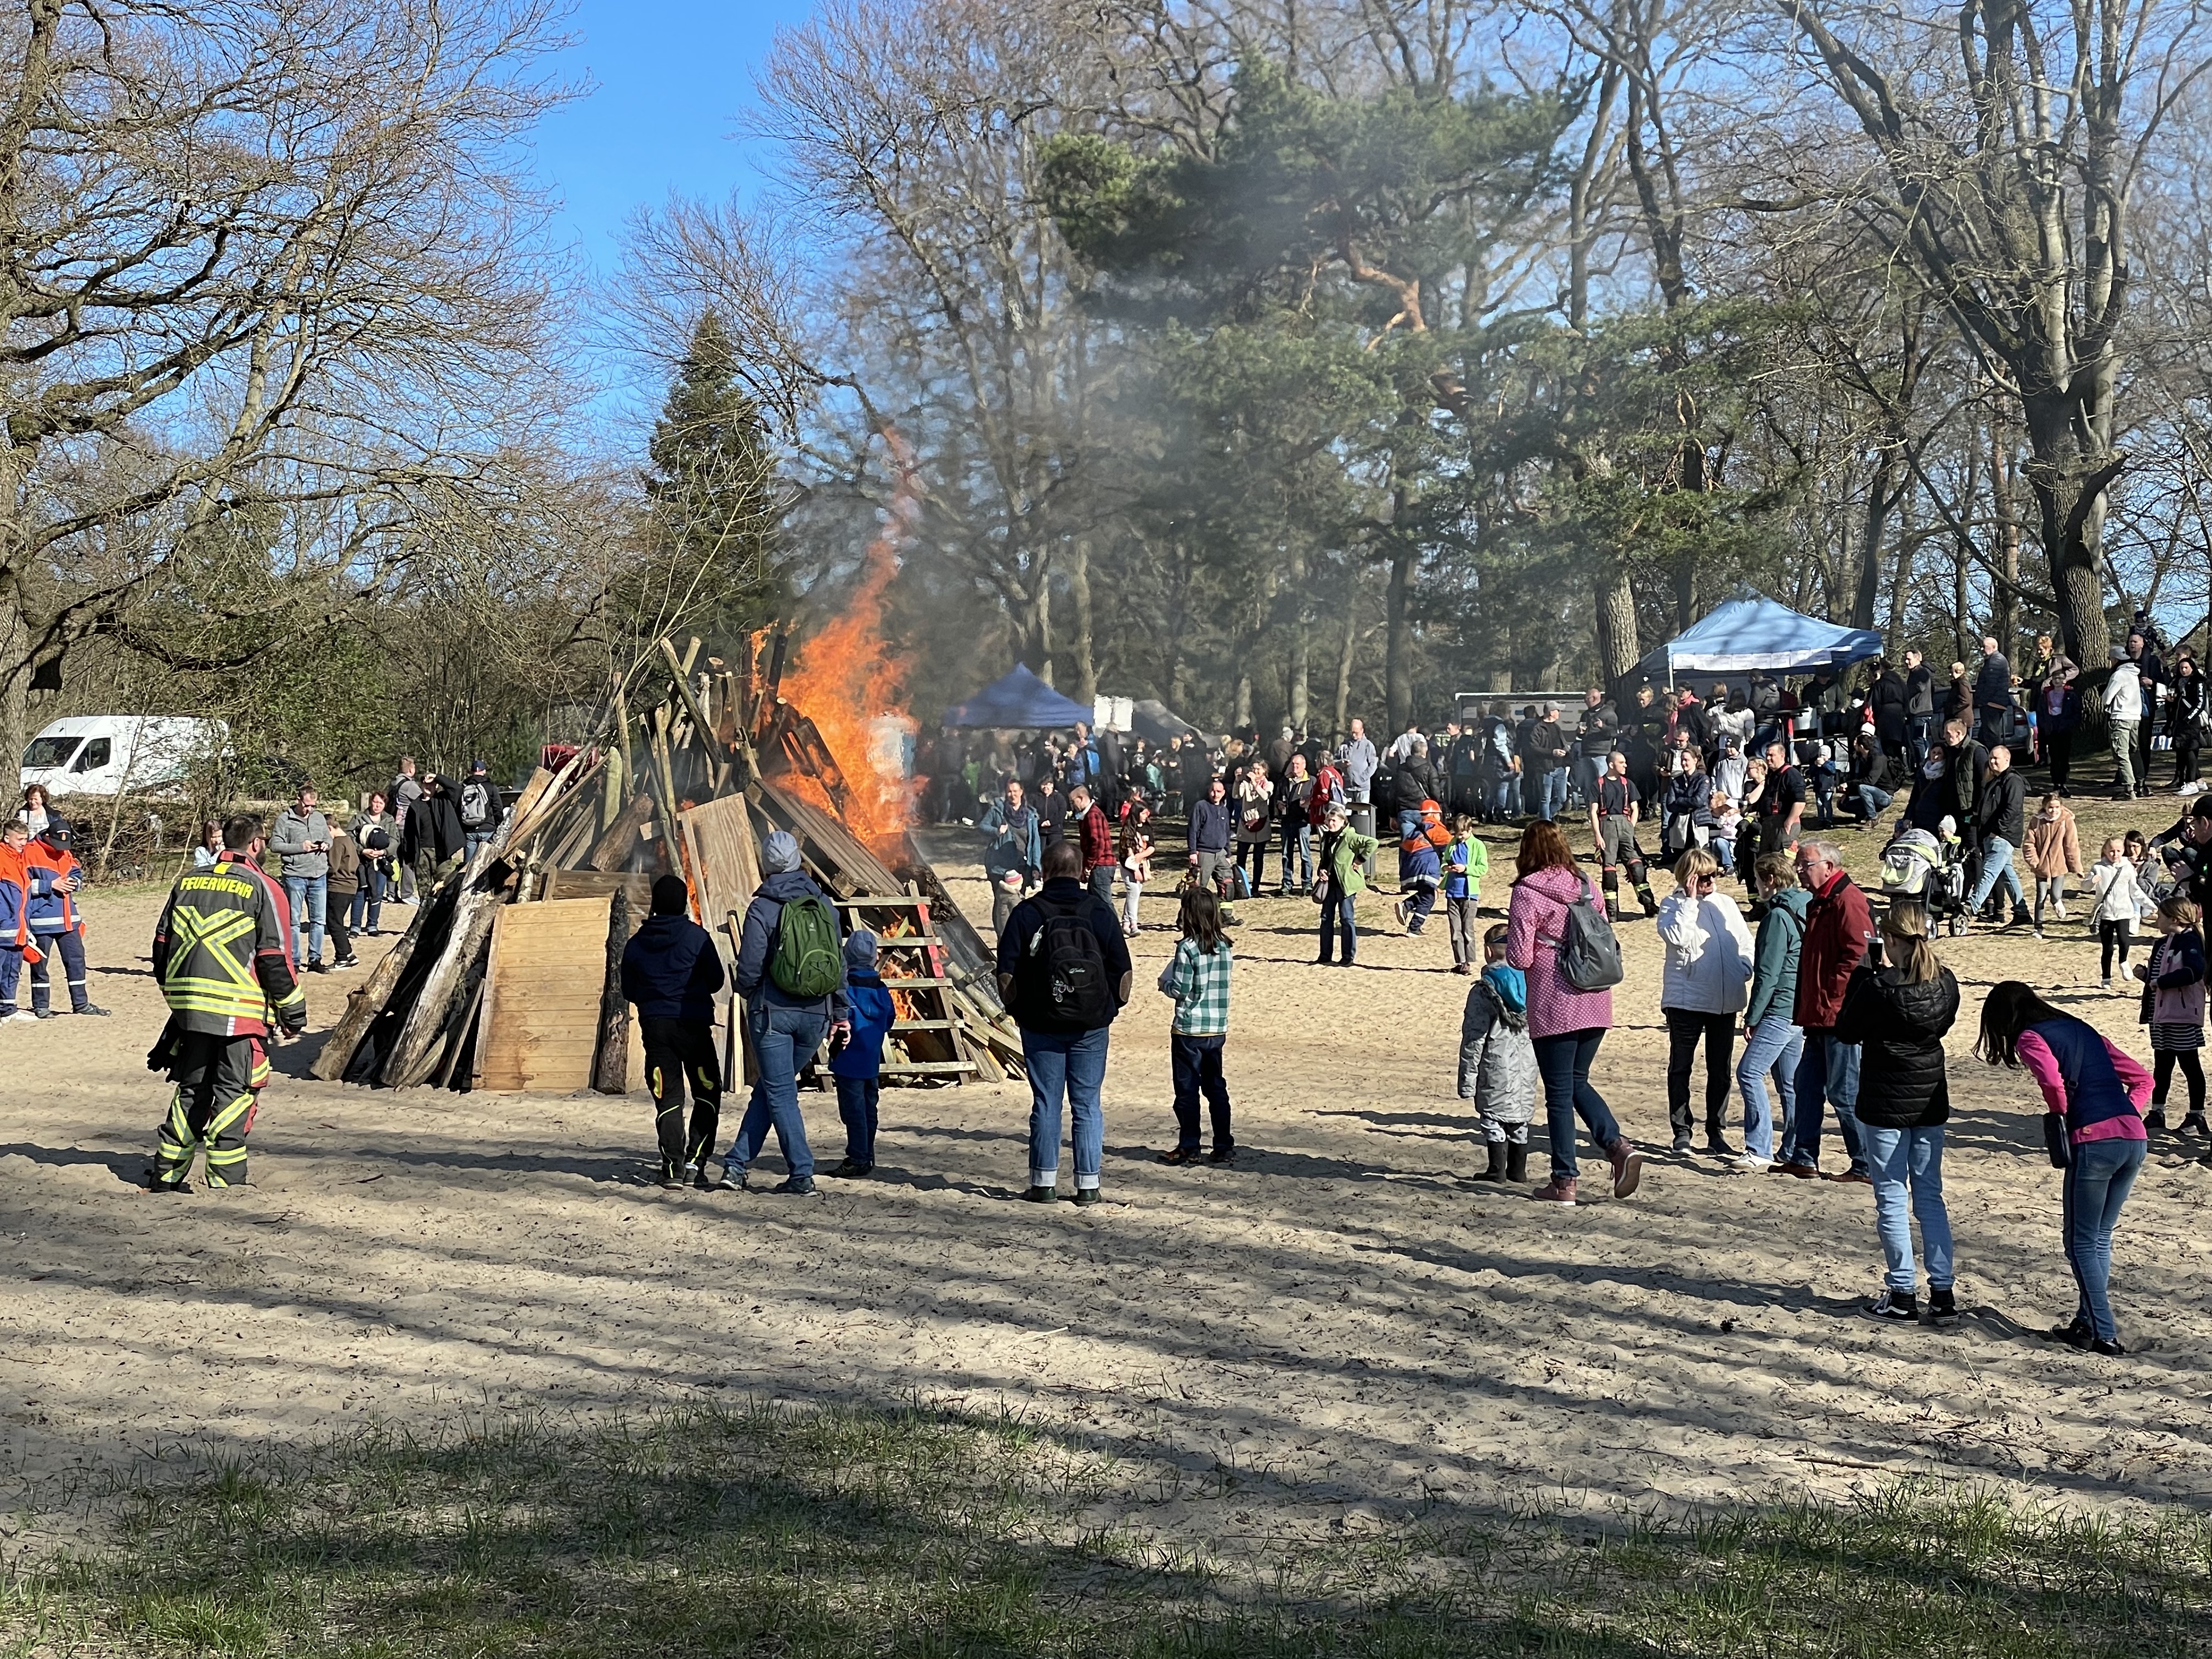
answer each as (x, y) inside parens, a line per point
(928, 1535)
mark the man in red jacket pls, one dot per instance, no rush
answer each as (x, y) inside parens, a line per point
(1097, 837)
(1838, 926)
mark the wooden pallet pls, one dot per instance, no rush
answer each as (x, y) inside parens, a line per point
(931, 1040)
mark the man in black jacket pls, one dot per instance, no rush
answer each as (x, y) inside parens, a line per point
(433, 837)
(1887, 703)
(1993, 692)
(2000, 817)
(670, 970)
(1413, 783)
(1919, 708)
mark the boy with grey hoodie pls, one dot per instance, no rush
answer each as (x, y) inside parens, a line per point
(1497, 1061)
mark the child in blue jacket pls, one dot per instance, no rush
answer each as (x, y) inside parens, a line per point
(858, 1065)
(14, 916)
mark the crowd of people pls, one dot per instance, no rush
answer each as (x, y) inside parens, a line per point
(1837, 996)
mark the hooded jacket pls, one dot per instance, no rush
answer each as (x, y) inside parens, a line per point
(1900, 1028)
(758, 940)
(862, 1054)
(1535, 921)
(1774, 962)
(1837, 925)
(1497, 1060)
(670, 970)
(1708, 965)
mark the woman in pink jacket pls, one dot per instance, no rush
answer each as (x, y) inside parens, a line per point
(1566, 1024)
(2095, 1090)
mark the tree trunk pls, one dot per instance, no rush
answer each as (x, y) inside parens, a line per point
(14, 679)
(2004, 603)
(1398, 666)
(1617, 652)
(1343, 707)
(1080, 646)
(1882, 496)
(1296, 691)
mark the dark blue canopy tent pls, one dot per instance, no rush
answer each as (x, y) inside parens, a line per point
(1021, 701)
(1749, 631)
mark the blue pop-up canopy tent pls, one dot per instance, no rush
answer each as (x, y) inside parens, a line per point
(1018, 700)
(1749, 631)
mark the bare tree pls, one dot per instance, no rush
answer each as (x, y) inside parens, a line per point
(266, 272)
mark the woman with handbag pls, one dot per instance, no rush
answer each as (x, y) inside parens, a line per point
(376, 834)
(1897, 1012)
(2094, 1131)
(1567, 1023)
(1340, 878)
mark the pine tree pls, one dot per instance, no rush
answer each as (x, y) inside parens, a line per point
(713, 489)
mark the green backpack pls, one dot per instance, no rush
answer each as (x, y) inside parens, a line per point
(806, 959)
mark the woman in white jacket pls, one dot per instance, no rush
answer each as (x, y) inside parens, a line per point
(1703, 990)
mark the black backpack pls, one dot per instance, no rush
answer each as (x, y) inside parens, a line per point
(1063, 979)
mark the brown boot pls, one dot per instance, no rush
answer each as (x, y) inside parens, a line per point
(1627, 1167)
(1559, 1189)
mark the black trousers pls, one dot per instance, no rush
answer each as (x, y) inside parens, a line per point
(677, 1050)
(218, 1083)
(2111, 935)
(2162, 1062)
(2058, 750)
(1684, 1029)
(1197, 1062)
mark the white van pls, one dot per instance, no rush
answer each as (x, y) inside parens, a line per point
(107, 754)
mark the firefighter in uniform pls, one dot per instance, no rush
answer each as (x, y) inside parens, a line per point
(222, 954)
(1613, 813)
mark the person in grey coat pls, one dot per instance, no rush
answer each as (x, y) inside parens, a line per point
(301, 838)
(1498, 1061)
(782, 1029)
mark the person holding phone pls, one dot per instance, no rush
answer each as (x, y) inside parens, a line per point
(301, 838)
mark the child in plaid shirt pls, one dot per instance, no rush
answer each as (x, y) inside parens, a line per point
(1197, 978)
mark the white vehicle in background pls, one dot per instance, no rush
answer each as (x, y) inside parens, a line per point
(113, 754)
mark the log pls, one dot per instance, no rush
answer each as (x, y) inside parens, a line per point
(610, 1065)
(613, 850)
(368, 997)
(464, 1037)
(414, 1052)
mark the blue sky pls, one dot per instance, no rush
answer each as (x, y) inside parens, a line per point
(669, 78)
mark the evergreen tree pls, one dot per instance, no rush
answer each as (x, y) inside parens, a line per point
(712, 566)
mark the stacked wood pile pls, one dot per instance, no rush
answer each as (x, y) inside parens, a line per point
(506, 978)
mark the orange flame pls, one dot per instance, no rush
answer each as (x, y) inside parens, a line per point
(845, 680)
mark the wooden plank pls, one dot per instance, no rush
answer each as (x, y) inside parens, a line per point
(368, 997)
(915, 1067)
(538, 1041)
(599, 883)
(725, 857)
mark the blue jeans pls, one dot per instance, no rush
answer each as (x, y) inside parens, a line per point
(1898, 1158)
(1588, 770)
(474, 841)
(783, 1039)
(1551, 800)
(369, 898)
(2097, 1183)
(1827, 1073)
(1869, 803)
(1297, 854)
(310, 896)
(1774, 1048)
(1073, 1064)
(1501, 794)
(1564, 1063)
(1335, 915)
(1997, 865)
(856, 1106)
(1919, 734)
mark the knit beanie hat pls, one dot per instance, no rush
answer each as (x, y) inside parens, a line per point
(671, 897)
(780, 853)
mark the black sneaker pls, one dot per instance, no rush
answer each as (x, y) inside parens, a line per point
(2074, 1335)
(2195, 1124)
(1222, 1155)
(1942, 1305)
(1683, 1143)
(2110, 1350)
(94, 1009)
(2155, 1118)
(167, 1188)
(1894, 1308)
(671, 1180)
(702, 1180)
(796, 1187)
(852, 1170)
(43, 1013)
(732, 1180)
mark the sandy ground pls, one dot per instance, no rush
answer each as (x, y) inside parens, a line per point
(1341, 1327)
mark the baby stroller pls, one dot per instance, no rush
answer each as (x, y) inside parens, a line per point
(1930, 870)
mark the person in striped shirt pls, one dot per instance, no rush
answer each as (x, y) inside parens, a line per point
(1197, 979)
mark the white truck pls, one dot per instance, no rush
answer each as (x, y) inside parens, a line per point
(111, 754)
